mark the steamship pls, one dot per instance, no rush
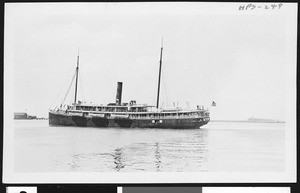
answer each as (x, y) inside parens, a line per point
(127, 115)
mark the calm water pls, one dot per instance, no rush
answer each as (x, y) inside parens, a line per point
(218, 146)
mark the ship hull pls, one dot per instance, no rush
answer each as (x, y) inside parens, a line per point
(58, 119)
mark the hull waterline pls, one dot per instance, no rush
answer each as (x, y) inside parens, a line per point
(59, 119)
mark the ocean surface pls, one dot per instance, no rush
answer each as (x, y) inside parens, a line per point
(217, 146)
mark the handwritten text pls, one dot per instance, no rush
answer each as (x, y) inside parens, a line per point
(252, 6)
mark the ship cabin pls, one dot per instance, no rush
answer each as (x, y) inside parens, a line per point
(135, 111)
(112, 107)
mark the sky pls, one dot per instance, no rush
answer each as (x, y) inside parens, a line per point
(211, 52)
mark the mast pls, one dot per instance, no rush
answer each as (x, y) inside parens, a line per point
(159, 75)
(76, 78)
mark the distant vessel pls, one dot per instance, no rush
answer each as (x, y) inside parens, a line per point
(126, 115)
(260, 120)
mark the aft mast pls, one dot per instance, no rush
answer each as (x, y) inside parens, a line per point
(76, 78)
(160, 63)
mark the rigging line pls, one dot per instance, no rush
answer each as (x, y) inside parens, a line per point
(154, 94)
(80, 83)
(69, 88)
(187, 104)
(165, 88)
(153, 84)
(59, 93)
(145, 78)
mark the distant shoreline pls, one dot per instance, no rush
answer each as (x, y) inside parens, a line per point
(246, 121)
(34, 119)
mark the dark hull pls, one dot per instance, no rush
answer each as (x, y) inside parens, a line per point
(56, 119)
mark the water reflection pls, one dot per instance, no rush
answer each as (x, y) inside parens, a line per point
(213, 148)
(74, 165)
(118, 159)
(188, 151)
(157, 157)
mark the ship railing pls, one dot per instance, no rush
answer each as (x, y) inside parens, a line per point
(168, 117)
(137, 116)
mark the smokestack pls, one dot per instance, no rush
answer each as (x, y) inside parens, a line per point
(119, 93)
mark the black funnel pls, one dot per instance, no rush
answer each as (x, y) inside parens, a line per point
(119, 93)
